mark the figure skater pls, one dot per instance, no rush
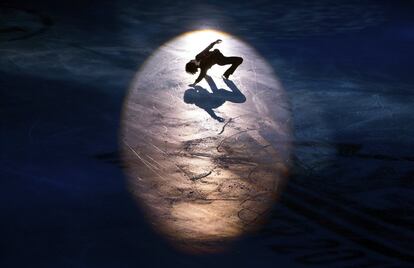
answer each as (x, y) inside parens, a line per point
(206, 58)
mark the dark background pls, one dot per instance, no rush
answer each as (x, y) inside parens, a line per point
(65, 67)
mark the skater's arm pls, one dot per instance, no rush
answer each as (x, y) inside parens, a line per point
(211, 45)
(208, 48)
(203, 73)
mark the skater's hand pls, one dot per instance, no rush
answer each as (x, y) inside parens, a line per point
(220, 119)
(218, 41)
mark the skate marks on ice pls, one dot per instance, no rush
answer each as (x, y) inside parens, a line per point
(203, 182)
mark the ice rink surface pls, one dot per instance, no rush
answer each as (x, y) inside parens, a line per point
(202, 181)
(83, 92)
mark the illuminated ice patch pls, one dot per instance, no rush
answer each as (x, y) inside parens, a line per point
(202, 182)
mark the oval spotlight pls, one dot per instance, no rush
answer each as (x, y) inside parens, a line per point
(203, 182)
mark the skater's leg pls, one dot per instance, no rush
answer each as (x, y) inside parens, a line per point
(234, 61)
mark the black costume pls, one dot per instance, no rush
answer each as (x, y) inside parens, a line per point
(208, 58)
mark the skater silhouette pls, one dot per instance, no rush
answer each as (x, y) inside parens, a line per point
(206, 58)
(208, 101)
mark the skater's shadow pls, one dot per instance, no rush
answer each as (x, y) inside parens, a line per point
(208, 101)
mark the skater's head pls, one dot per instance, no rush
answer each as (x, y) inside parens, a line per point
(191, 67)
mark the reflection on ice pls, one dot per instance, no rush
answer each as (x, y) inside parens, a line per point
(204, 182)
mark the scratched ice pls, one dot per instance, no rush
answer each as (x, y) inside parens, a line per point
(202, 182)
